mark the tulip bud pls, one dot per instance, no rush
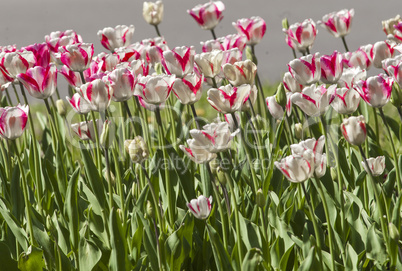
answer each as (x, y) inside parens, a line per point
(220, 175)
(393, 232)
(153, 12)
(133, 187)
(250, 55)
(186, 118)
(280, 96)
(137, 149)
(214, 164)
(120, 214)
(158, 68)
(49, 223)
(285, 23)
(61, 108)
(396, 95)
(334, 174)
(299, 130)
(257, 165)
(150, 209)
(104, 137)
(260, 198)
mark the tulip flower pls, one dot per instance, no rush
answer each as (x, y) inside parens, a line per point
(225, 43)
(291, 84)
(76, 57)
(360, 58)
(230, 57)
(189, 89)
(240, 73)
(306, 70)
(338, 23)
(15, 63)
(85, 130)
(229, 119)
(380, 51)
(351, 76)
(40, 82)
(390, 27)
(354, 130)
(209, 64)
(13, 121)
(123, 82)
(119, 36)
(153, 12)
(154, 89)
(252, 98)
(139, 67)
(98, 94)
(345, 101)
(137, 149)
(253, 28)
(314, 100)
(393, 67)
(73, 78)
(229, 99)
(179, 61)
(200, 207)
(377, 165)
(376, 90)
(331, 68)
(62, 38)
(149, 106)
(214, 137)
(208, 15)
(79, 104)
(41, 52)
(107, 62)
(8, 48)
(301, 36)
(196, 152)
(275, 109)
(297, 168)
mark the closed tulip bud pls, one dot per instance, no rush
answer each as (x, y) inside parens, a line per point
(13, 121)
(158, 68)
(61, 108)
(104, 137)
(186, 118)
(338, 23)
(137, 149)
(220, 175)
(260, 199)
(393, 232)
(116, 37)
(49, 223)
(280, 96)
(253, 28)
(334, 174)
(208, 15)
(376, 165)
(153, 12)
(150, 209)
(200, 207)
(285, 23)
(299, 130)
(214, 165)
(396, 95)
(354, 130)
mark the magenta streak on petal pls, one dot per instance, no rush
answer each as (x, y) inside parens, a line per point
(231, 98)
(209, 204)
(217, 109)
(245, 31)
(88, 92)
(24, 61)
(124, 36)
(194, 89)
(191, 208)
(29, 82)
(308, 98)
(198, 207)
(217, 11)
(66, 59)
(46, 77)
(344, 132)
(346, 21)
(84, 55)
(210, 137)
(390, 48)
(285, 172)
(299, 32)
(105, 42)
(24, 118)
(386, 86)
(190, 151)
(183, 60)
(343, 97)
(198, 17)
(363, 91)
(240, 69)
(363, 127)
(310, 66)
(309, 166)
(331, 25)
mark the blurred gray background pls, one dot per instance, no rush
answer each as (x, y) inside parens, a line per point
(24, 22)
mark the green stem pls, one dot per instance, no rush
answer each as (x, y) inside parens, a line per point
(28, 204)
(10, 102)
(109, 178)
(5, 160)
(16, 94)
(377, 131)
(98, 148)
(344, 44)
(157, 30)
(197, 124)
(213, 33)
(398, 176)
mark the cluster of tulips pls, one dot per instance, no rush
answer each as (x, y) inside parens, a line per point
(125, 193)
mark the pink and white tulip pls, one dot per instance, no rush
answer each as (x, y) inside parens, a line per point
(208, 15)
(76, 57)
(85, 130)
(253, 28)
(275, 109)
(41, 52)
(225, 43)
(209, 64)
(13, 121)
(62, 38)
(189, 88)
(119, 36)
(380, 51)
(331, 68)
(306, 70)
(354, 130)
(123, 83)
(154, 89)
(153, 12)
(214, 137)
(73, 78)
(359, 59)
(338, 23)
(179, 61)
(301, 36)
(351, 76)
(79, 104)
(291, 84)
(231, 56)
(229, 99)
(376, 165)
(15, 63)
(240, 73)
(200, 207)
(40, 82)
(98, 94)
(346, 100)
(314, 100)
(376, 90)
(297, 168)
(196, 152)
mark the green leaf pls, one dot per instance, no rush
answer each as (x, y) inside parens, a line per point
(351, 258)
(375, 247)
(253, 260)
(71, 207)
(250, 233)
(89, 255)
(32, 260)
(221, 256)
(7, 263)
(119, 255)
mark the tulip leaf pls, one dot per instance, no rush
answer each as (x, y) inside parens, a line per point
(71, 208)
(250, 233)
(253, 260)
(31, 260)
(221, 256)
(89, 254)
(119, 254)
(375, 247)
(7, 263)
(15, 227)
